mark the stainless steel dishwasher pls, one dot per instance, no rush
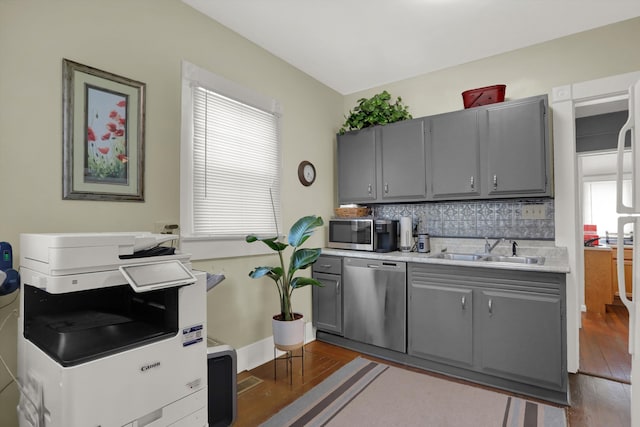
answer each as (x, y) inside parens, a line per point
(375, 302)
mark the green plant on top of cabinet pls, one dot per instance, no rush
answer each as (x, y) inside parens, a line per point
(515, 137)
(383, 164)
(377, 110)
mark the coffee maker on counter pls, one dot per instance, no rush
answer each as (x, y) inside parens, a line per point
(386, 235)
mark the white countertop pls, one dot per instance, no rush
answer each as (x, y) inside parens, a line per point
(556, 258)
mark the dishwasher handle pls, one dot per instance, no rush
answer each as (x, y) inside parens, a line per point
(374, 264)
(383, 266)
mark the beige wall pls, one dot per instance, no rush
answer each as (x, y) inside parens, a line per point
(144, 40)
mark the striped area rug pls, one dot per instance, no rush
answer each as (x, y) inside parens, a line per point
(366, 393)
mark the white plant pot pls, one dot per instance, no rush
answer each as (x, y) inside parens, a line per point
(288, 335)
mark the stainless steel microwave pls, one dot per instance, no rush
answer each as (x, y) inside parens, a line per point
(352, 233)
(364, 234)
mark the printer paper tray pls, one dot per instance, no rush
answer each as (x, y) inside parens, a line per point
(79, 337)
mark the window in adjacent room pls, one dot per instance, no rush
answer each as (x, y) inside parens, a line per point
(598, 172)
(230, 165)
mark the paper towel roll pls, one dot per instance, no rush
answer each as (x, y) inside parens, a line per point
(406, 233)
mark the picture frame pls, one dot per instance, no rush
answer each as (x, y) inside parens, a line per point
(103, 135)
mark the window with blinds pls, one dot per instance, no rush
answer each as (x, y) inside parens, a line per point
(236, 167)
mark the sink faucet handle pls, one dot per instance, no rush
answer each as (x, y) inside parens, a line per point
(514, 250)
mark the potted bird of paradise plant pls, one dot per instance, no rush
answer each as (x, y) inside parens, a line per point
(288, 326)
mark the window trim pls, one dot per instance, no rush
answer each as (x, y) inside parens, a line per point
(208, 247)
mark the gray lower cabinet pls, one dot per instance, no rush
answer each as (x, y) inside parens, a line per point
(327, 300)
(440, 323)
(503, 323)
(520, 336)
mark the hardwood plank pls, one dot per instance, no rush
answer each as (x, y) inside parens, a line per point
(604, 344)
(261, 402)
(599, 402)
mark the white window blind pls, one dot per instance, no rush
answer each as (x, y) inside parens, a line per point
(236, 167)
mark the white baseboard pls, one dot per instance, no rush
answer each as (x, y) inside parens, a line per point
(260, 352)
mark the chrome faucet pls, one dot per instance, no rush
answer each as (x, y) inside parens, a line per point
(489, 247)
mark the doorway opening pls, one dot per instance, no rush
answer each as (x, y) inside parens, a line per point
(605, 321)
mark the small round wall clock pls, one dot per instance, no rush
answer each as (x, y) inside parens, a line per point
(306, 173)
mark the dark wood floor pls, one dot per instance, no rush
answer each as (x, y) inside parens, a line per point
(600, 393)
(604, 344)
(596, 401)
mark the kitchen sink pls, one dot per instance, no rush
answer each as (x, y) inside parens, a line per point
(539, 260)
(516, 259)
(459, 257)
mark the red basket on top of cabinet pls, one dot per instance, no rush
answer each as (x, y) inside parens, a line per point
(483, 95)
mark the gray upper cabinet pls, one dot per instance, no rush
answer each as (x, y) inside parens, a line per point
(383, 164)
(357, 166)
(488, 152)
(403, 163)
(454, 156)
(515, 139)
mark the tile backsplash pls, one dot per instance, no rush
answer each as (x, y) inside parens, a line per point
(475, 219)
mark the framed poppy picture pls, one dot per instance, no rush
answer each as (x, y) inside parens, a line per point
(103, 135)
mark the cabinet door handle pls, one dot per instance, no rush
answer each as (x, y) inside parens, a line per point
(386, 188)
(369, 189)
(495, 182)
(337, 288)
(490, 306)
(326, 266)
(464, 302)
(472, 182)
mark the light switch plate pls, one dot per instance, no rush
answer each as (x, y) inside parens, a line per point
(534, 211)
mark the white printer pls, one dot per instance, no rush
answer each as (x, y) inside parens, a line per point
(112, 332)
